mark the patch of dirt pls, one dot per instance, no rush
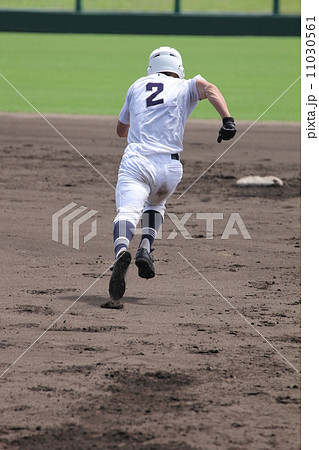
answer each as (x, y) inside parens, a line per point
(181, 365)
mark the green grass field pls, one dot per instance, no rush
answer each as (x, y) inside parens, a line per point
(90, 74)
(286, 6)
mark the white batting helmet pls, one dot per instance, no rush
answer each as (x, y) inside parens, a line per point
(165, 59)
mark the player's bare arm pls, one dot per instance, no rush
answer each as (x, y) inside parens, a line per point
(122, 129)
(214, 96)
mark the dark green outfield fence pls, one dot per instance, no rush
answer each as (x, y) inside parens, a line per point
(178, 6)
(150, 23)
(175, 23)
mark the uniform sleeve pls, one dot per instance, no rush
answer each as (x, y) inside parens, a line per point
(193, 93)
(124, 116)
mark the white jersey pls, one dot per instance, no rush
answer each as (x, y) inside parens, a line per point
(156, 108)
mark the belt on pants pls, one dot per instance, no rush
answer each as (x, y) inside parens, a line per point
(175, 156)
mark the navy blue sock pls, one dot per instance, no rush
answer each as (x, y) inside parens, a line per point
(151, 223)
(123, 232)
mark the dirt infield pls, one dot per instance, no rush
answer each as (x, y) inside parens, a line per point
(178, 367)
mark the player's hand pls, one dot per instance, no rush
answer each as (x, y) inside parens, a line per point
(228, 130)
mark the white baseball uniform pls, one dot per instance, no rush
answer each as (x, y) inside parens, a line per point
(156, 108)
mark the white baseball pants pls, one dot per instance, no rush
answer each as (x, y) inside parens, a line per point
(145, 183)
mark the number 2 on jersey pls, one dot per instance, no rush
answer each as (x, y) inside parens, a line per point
(150, 100)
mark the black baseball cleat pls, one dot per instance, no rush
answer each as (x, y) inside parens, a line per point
(144, 262)
(117, 280)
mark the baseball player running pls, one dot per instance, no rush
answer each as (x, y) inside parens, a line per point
(153, 119)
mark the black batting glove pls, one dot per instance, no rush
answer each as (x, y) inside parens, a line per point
(228, 130)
